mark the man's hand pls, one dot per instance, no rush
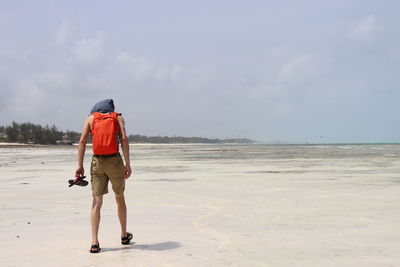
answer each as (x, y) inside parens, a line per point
(79, 171)
(128, 172)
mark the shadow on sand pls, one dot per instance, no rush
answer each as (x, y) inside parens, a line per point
(157, 246)
(128, 247)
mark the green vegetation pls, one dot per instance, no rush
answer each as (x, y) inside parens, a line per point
(29, 133)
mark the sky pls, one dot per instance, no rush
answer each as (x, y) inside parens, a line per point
(272, 71)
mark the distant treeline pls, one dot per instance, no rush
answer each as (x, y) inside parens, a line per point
(30, 133)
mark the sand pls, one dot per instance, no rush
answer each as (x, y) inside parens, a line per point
(206, 205)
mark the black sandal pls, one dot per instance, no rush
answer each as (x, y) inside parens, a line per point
(95, 248)
(127, 239)
(78, 181)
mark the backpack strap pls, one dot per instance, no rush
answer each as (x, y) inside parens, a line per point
(115, 115)
(96, 115)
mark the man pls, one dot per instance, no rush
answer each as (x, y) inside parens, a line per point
(105, 126)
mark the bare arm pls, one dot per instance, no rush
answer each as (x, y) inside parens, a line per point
(82, 146)
(124, 146)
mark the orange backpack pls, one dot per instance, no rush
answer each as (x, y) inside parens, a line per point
(104, 133)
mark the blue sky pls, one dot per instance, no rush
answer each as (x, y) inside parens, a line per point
(293, 71)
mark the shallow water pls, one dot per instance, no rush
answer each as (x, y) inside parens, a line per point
(308, 158)
(209, 152)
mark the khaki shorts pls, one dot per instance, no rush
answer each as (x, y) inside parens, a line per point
(104, 169)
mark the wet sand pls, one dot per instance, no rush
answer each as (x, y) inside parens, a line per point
(208, 205)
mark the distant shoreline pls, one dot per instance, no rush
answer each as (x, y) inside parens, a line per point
(4, 144)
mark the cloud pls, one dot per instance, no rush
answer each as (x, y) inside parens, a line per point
(89, 50)
(27, 99)
(70, 82)
(128, 71)
(294, 67)
(301, 75)
(64, 33)
(137, 68)
(364, 29)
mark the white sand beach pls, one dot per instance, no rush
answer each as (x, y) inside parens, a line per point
(208, 205)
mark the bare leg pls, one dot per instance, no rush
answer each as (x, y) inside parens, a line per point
(95, 217)
(121, 212)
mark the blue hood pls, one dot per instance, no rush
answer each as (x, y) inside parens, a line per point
(104, 106)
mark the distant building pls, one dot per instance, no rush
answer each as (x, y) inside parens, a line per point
(64, 142)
